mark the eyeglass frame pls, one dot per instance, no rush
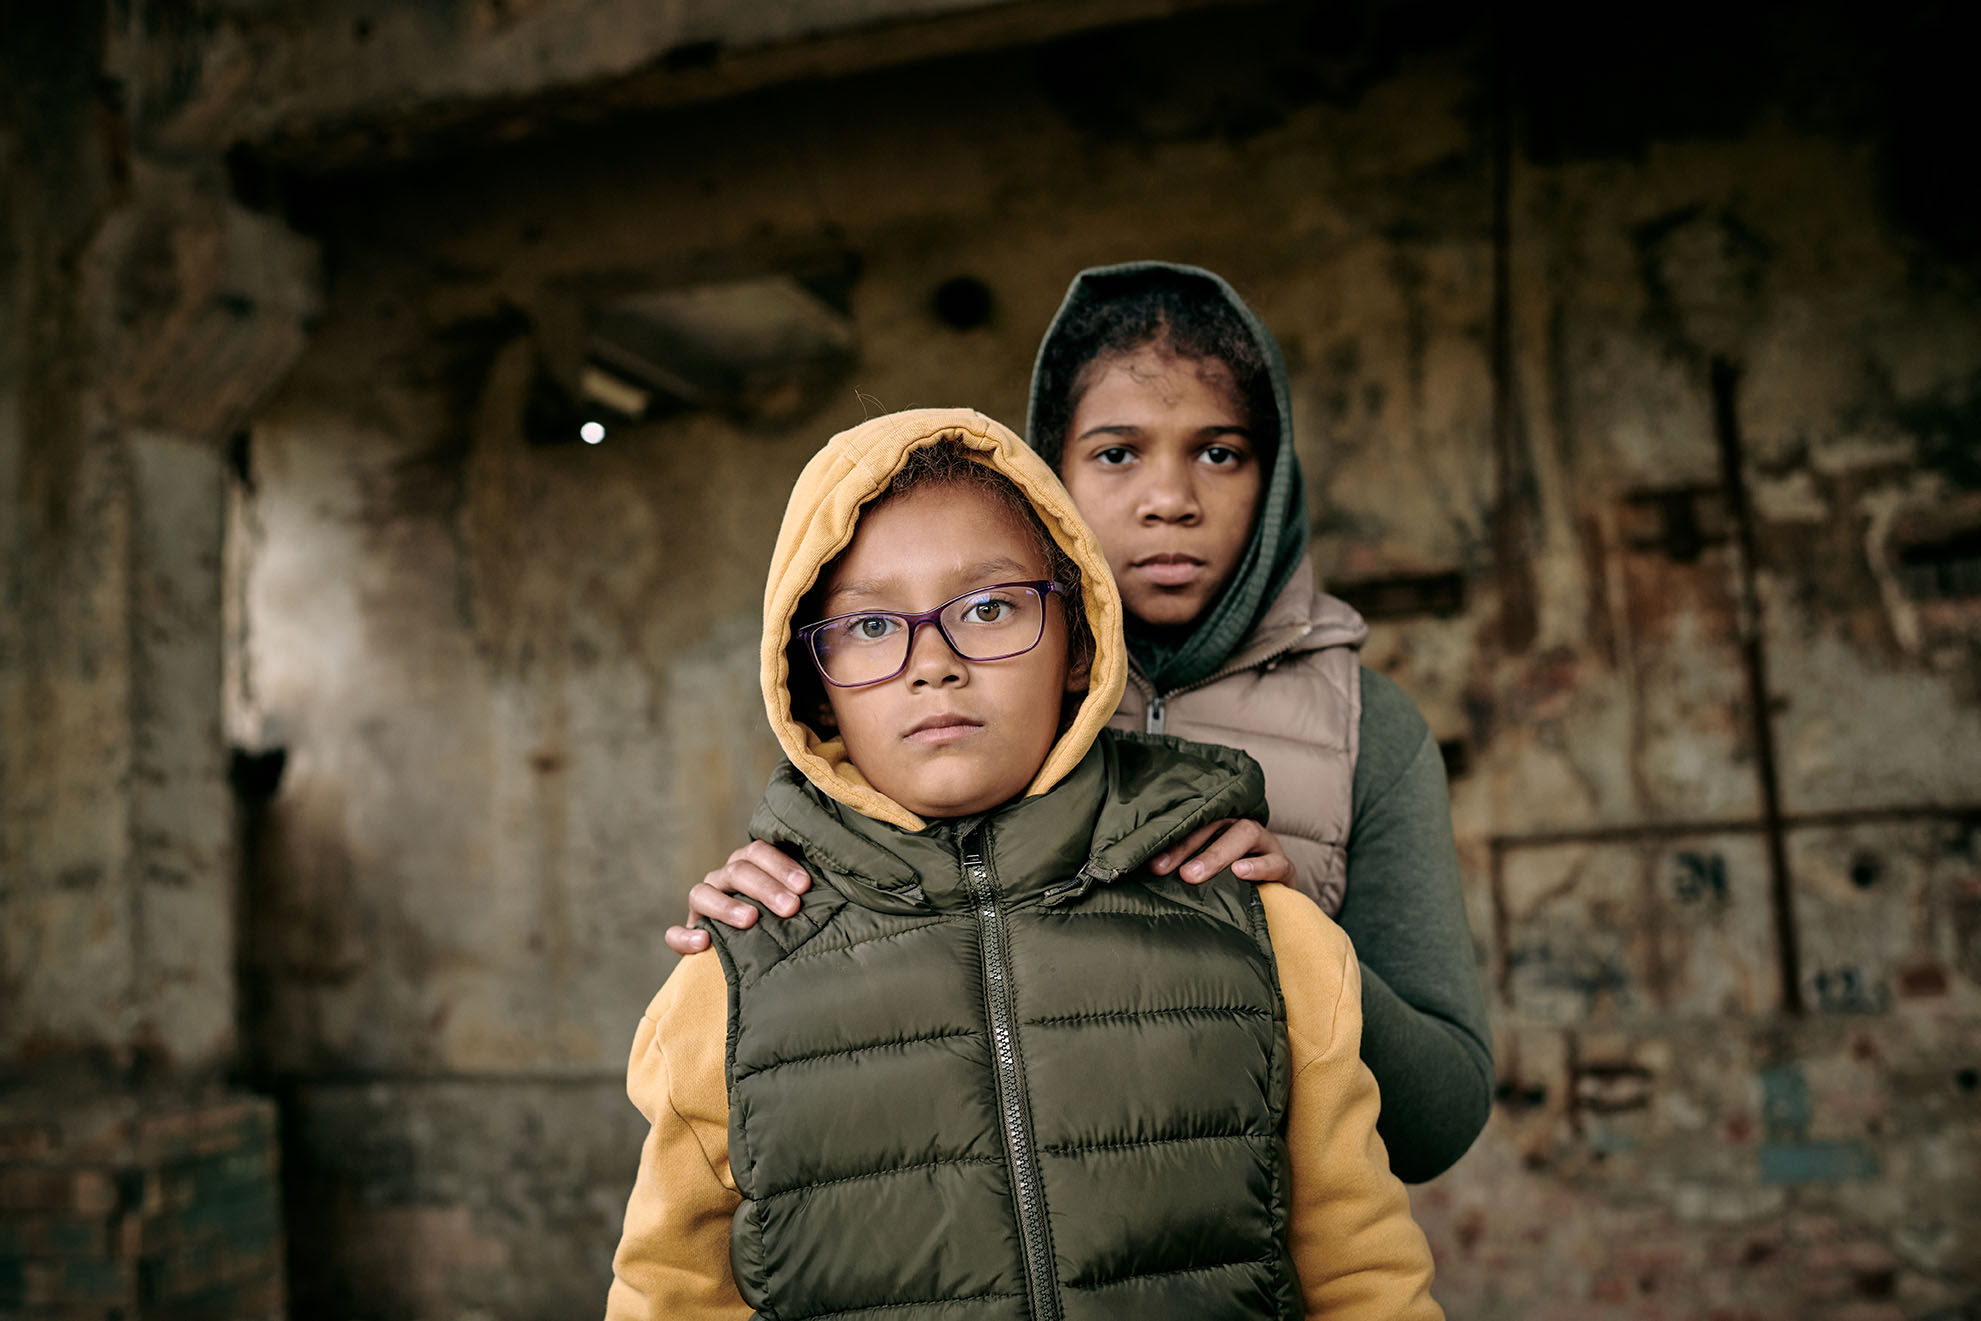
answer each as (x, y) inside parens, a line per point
(808, 634)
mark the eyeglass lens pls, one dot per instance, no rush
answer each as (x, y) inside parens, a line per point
(992, 624)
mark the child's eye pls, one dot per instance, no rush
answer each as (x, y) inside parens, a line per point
(989, 610)
(1114, 456)
(872, 628)
(1222, 456)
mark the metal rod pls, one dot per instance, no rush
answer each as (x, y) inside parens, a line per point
(1753, 650)
(1637, 831)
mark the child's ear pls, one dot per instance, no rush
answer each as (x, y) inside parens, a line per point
(1078, 672)
(822, 722)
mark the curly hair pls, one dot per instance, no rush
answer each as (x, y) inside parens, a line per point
(1171, 311)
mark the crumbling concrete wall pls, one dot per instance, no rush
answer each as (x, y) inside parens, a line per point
(141, 315)
(146, 315)
(63, 654)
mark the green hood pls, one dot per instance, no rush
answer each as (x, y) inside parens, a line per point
(1279, 536)
(1127, 799)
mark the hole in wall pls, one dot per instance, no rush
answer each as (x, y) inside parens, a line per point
(1866, 870)
(763, 351)
(1679, 523)
(1405, 596)
(256, 776)
(240, 459)
(1944, 567)
(963, 303)
(692, 55)
(1881, 1283)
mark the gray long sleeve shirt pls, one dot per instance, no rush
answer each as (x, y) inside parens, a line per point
(1424, 1031)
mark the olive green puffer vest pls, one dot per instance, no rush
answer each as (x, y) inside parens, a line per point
(993, 1069)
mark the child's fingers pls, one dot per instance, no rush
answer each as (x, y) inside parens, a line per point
(706, 900)
(1265, 867)
(1247, 842)
(686, 940)
(772, 862)
(1216, 856)
(767, 888)
(757, 870)
(1168, 860)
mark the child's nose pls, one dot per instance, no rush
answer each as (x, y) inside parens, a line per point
(1170, 496)
(930, 657)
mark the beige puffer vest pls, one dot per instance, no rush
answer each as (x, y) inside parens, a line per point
(1291, 696)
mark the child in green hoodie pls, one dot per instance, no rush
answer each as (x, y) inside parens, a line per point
(995, 1067)
(1161, 400)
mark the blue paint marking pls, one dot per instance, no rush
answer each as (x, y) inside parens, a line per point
(1816, 1162)
(1701, 876)
(1785, 1104)
(1612, 1143)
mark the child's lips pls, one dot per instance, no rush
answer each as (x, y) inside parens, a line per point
(938, 730)
(1169, 569)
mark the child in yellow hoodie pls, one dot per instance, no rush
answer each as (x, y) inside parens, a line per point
(996, 1068)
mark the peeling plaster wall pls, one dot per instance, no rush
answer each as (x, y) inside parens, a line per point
(125, 289)
(518, 691)
(66, 958)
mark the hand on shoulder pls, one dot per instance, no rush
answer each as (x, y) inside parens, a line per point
(758, 870)
(1251, 851)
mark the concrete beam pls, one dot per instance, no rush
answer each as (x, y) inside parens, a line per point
(328, 86)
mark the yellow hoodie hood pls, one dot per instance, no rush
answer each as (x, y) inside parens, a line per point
(819, 522)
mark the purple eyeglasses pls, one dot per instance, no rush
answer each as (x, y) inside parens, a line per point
(986, 624)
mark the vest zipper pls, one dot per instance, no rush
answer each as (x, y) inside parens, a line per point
(1158, 713)
(1040, 1278)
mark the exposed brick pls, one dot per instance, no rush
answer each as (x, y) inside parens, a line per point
(94, 1192)
(129, 1236)
(1858, 1312)
(26, 1140)
(41, 1284)
(198, 1236)
(24, 1190)
(65, 1237)
(102, 1281)
(168, 1136)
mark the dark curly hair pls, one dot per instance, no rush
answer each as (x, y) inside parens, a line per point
(1171, 311)
(947, 462)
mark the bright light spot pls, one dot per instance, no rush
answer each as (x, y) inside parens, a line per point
(592, 432)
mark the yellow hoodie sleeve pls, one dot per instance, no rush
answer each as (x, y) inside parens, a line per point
(673, 1257)
(1359, 1254)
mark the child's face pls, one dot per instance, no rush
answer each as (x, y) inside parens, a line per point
(1159, 459)
(948, 737)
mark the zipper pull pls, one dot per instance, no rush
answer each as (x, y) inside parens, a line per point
(970, 858)
(1083, 880)
(1157, 712)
